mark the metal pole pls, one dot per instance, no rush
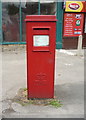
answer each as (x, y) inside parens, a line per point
(59, 14)
(56, 22)
(20, 23)
(39, 7)
(1, 37)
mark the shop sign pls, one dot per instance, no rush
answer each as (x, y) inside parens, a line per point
(73, 24)
(75, 6)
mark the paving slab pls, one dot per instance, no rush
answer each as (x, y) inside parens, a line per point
(69, 84)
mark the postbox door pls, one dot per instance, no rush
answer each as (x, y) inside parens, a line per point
(41, 59)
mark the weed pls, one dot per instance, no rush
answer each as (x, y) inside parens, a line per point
(20, 102)
(24, 89)
(55, 103)
(21, 98)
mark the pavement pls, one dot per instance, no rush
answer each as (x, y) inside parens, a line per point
(69, 84)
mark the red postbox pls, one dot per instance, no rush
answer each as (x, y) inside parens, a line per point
(41, 38)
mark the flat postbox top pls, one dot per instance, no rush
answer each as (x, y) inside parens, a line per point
(41, 18)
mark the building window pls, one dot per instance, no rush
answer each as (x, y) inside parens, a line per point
(10, 21)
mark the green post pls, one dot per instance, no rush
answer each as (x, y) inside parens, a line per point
(59, 25)
(39, 7)
(1, 39)
(20, 25)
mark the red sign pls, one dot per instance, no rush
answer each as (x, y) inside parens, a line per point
(85, 6)
(73, 24)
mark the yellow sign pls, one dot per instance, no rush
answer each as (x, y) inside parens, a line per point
(74, 6)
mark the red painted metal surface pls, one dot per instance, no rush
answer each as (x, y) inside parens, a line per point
(71, 28)
(85, 6)
(40, 59)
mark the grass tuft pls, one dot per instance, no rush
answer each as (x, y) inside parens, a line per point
(55, 103)
(24, 89)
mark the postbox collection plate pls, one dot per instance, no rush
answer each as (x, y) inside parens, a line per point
(41, 40)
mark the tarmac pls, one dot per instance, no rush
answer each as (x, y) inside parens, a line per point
(69, 84)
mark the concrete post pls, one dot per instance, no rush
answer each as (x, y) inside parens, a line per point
(79, 48)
